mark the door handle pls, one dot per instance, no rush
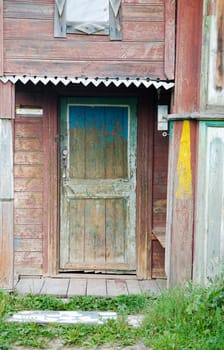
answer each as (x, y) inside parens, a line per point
(64, 163)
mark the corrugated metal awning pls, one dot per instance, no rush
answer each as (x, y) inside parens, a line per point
(147, 82)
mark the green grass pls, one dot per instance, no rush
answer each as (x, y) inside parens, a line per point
(190, 317)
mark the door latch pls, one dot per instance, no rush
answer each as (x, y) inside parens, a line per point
(64, 163)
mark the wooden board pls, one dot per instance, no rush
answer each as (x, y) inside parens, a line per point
(6, 244)
(170, 27)
(96, 287)
(144, 189)
(55, 286)
(209, 233)
(29, 285)
(1, 39)
(180, 203)
(7, 100)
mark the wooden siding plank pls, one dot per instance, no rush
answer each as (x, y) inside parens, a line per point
(143, 12)
(132, 31)
(28, 231)
(29, 285)
(116, 287)
(31, 270)
(29, 10)
(143, 2)
(77, 287)
(7, 100)
(1, 40)
(170, 27)
(28, 200)
(96, 287)
(6, 244)
(27, 129)
(28, 158)
(124, 69)
(28, 144)
(28, 244)
(32, 171)
(143, 31)
(36, 49)
(28, 261)
(27, 185)
(28, 216)
(55, 287)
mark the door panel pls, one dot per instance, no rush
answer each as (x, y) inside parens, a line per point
(98, 179)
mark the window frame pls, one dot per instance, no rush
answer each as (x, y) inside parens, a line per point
(62, 27)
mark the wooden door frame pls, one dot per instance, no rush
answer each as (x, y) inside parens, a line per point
(144, 188)
(145, 112)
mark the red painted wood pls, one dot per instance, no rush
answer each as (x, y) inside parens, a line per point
(1, 39)
(144, 189)
(28, 29)
(7, 100)
(147, 12)
(170, 23)
(143, 31)
(87, 68)
(188, 51)
(45, 50)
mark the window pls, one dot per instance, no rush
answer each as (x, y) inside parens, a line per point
(88, 17)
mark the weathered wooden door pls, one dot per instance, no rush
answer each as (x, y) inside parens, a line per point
(98, 181)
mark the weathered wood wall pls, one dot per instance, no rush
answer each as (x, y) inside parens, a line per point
(30, 47)
(36, 201)
(32, 189)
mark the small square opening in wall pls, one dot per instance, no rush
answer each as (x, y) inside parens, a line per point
(87, 16)
(90, 17)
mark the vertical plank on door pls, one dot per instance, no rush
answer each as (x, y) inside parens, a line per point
(95, 230)
(116, 133)
(115, 230)
(77, 144)
(77, 229)
(95, 161)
